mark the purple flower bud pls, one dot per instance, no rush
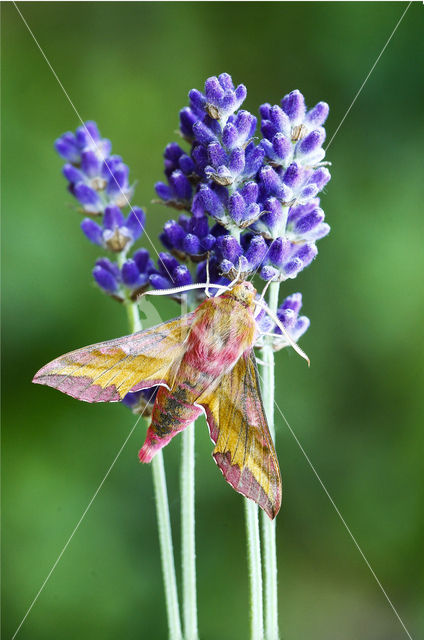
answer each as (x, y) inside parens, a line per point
(229, 248)
(280, 120)
(253, 160)
(292, 267)
(268, 130)
(256, 252)
(306, 254)
(72, 174)
(311, 143)
(207, 243)
(106, 274)
(181, 276)
(237, 161)
(269, 273)
(320, 177)
(113, 218)
(309, 222)
(187, 120)
(92, 231)
(167, 263)
(216, 154)
(173, 234)
(287, 317)
(89, 198)
(203, 134)
(293, 175)
(241, 93)
(90, 163)
(163, 190)
(200, 157)
(191, 244)
(118, 181)
(142, 259)
(131, 274)
(271, 183)
(265, 110)
(87, 135)
(293, 302)
(135, 222)
(197, 100)
(317, 115)
(319, 232)
(213, 90)
(181, 185)
(250, 192)
(246, 125)
(186, 165)
(211, 202)
(199, 226)
(141, 402)
(236, 207)
(293, 104)
(282, 146)
(308, 192)
(279, 251)
(159, 282)
(230, 135)
(67, 147)
(226, 81)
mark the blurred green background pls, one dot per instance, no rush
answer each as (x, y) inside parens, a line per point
(358, 411)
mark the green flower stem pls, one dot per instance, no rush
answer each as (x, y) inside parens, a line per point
(268, 526)
(188, 542)
(255, 570)
(188, 521)
(164, 521)
(167, 554)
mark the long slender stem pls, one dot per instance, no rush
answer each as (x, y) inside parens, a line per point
(167, 554)
(164, 521)
(255, 570)
(268, 526)
(188, 542)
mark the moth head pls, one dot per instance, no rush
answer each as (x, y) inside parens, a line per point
(245, 293)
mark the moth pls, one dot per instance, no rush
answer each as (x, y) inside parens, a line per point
(201, 362)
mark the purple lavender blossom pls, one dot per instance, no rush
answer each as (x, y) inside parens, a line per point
(141, 402)
(96, 178)
(288, 314)
(267, 188)
(117, 233)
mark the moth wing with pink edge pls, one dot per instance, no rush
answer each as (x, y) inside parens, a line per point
(107, 371)
(244, 450)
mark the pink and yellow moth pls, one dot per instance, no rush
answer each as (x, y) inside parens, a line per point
(202, 362)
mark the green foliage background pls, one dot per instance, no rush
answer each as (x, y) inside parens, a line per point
(358, 411)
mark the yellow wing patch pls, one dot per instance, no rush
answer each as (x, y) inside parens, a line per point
(243, 446)
(107, 371)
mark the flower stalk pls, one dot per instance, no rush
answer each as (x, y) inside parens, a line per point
(164, 521)
(188, 542)
(255, 570)
(269, 526)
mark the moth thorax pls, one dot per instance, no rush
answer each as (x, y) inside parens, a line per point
(244, 293)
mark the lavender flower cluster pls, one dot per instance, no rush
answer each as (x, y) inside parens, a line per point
(250, 203)
(247, 204)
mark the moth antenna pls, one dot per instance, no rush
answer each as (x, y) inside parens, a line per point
(208, 281)
(187, 287)
(262, 296)
(284, 331)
